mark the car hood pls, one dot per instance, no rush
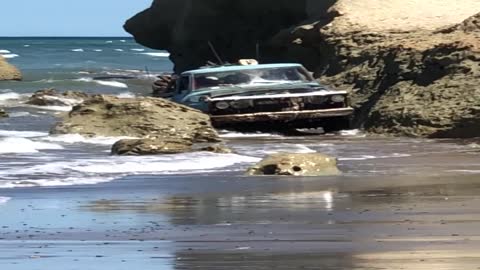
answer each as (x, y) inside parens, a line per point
(262, 90)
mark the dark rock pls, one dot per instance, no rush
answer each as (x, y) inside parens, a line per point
(151, 146)
(3, 113)
(311, 164)
(185, 27)
(51, 97)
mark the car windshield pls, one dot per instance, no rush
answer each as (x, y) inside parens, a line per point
(252, 77)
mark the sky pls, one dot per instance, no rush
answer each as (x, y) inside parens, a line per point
(67, 17)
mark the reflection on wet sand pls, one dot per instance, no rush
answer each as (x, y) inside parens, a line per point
(348, 223)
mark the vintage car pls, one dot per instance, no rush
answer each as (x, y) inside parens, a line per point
(270, 96)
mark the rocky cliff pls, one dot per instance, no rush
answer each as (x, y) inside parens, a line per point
(412, 65)
(8, 72)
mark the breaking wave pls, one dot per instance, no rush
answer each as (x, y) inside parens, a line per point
(12, 145)
(157, 54)
(106, 83)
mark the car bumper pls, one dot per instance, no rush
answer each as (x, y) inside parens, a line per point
(287, 116)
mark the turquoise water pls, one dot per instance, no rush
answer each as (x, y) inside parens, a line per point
(73, 63)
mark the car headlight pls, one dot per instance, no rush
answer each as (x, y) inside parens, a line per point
(338, 98)
(222, 105)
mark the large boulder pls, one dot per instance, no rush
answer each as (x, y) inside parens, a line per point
(155, 146)
(166, 126)
(8, 72)
(3, 113)
(51, 97)
(311, 164)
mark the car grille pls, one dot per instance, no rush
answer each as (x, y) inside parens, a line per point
(276, 105)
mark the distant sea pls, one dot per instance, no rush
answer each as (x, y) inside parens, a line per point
(71, 63)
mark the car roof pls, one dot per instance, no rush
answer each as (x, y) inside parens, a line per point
(238, 68)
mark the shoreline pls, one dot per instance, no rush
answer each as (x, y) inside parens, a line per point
(217, 221)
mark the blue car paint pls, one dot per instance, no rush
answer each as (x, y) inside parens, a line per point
(193, 98)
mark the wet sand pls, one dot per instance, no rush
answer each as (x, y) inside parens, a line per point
(225, 221)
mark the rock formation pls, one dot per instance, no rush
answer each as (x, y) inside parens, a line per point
(412, 65)
(312, 164)
(162, 146)
(8, 72)
(51, 97)
(163, 124)
(3, 113)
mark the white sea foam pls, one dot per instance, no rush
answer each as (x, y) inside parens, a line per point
(352, 132)
(106, 83)
(284, 148)
(12, 145)
(126, 95)
(4, 200)
(93, 171)
(11, 55)
(26, 45)
(52, 108)
(123, 40)
(112, 84)
(98, 50)
(9, 96)
(4, 51)
(19, 114)
(77, 50)
(184, 163)
(368, 157)
(22, 134)
(77, 138)
(137, 50)
(231, 134)
(157, 54)
(109, 41)
(119, 50)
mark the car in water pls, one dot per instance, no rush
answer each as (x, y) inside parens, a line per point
(262, 96)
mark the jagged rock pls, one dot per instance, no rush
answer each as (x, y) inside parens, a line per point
(311, 164)
(151, 146)
(411, 72)
(151, 118)
(162, 146)
(232, 26)
(3, 113)
(51, 97)
(8, 72)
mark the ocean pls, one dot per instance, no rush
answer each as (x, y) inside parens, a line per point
(31, 157)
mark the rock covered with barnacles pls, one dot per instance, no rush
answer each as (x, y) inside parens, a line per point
(311, 164)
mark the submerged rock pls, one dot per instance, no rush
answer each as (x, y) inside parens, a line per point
(162, 126)
(311, 164)
(151, 146)
(3, 113)
(51, 97)
(8, 72)
(162, 146)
